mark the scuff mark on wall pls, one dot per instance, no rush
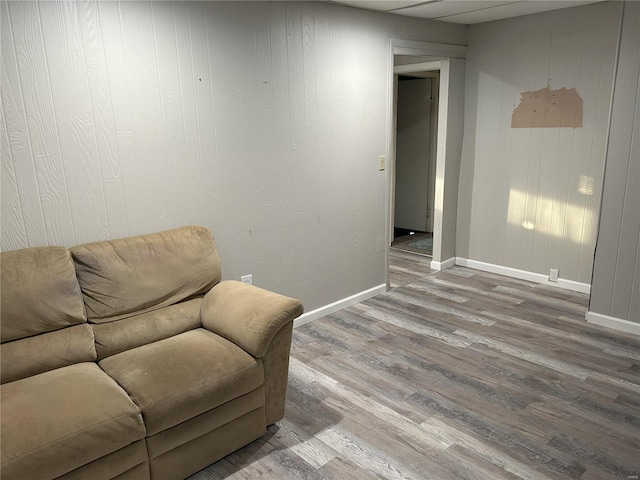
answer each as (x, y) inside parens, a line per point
(548, 108)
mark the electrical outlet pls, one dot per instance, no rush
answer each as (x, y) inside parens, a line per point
(247, 279)
(382, 160)
(553, 274)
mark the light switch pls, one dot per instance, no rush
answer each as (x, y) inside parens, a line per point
(382, 160)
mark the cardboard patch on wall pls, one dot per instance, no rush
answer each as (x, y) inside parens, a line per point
(548, 108)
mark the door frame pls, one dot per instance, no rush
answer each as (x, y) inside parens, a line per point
(437, 57)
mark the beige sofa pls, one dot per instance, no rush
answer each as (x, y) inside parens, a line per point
(130, 359)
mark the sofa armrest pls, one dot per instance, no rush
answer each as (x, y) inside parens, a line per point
(247, 315)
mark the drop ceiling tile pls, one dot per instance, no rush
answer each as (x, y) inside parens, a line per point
(447, 8)
(464, 11)
(381, 5)
(512, 10)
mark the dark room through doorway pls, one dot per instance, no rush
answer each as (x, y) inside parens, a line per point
(416, 129)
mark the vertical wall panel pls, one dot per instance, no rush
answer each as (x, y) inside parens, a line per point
(103, 117)
(98, 80)
(339, 132)
(191, 162)
(566, 69)
(616, 273)
(562, 62)
(117, 75)
(164, 33)
(262, 121)
(146, 111)
(542, 214)
(42, 125)
(327, 193)
(11, 209)
(496, 178)
(207, 114)
(274, 253)
(25, 227)
(223, 60)
(322, 53)
(74, 116)
(303, 204)
(605, 63)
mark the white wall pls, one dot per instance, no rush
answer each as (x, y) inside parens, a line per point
(263, 121)
(529, 197)
(615, 294)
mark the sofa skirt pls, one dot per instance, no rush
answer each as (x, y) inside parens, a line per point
(196, 454)
(128, 463)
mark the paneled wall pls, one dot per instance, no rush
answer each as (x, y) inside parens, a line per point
(263, 121)
(529, 197)
(616, 274)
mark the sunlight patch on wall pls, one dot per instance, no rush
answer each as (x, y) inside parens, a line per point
(585, 185)
(550, 217)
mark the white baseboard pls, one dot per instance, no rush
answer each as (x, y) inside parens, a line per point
(524, 275)
(438, 266)
(613, 322)
(339, 305)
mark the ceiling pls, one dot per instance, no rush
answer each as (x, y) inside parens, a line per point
(464, 11)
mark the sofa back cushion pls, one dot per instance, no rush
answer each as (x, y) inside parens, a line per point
(129, 276)
(43, 321)
(40, 292)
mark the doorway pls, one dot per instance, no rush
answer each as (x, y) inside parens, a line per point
(409, 57)
(415, 162)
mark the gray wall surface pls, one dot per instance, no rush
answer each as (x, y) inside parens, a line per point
(529, 197)
(448, 163)
(615, 289)
(262, 121)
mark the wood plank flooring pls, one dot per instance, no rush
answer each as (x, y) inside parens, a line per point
(458, 374)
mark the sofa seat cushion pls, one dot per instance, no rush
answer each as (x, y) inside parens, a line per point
(177, 378)
(57, 421)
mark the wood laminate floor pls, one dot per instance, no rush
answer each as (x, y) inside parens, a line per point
(458, 374)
